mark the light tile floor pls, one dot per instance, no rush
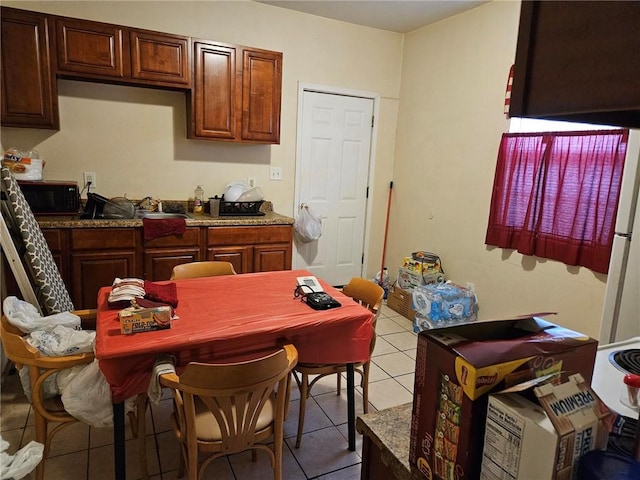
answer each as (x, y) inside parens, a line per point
(82, 452)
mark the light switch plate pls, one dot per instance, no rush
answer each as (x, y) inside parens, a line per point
(275, 173)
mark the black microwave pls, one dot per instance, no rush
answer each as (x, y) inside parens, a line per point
(51, 198)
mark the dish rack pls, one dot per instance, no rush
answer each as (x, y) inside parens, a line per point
(234, 209)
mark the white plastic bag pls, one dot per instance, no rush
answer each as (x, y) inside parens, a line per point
(62, 340)
(22, 463)
(308, 227)
(49, 386)
(87, 397)
(26, 317)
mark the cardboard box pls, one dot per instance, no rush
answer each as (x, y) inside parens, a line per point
(456, 367)
(409, 279)
(565, 422)
(134, 320)
(399, 300)
(421, 266)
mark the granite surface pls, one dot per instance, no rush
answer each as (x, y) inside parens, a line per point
(194, 220)
(390, 431)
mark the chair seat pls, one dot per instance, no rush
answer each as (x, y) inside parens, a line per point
(208, 429)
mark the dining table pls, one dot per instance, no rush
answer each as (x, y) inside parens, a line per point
(225, 319)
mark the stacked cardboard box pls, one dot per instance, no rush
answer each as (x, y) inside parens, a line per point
(457, 367)
(399, 300)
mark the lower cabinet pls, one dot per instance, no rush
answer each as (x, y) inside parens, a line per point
(267, 258)
(240, 256)
(91, 258)
(164, 253)
(252, 249)
(98, 256)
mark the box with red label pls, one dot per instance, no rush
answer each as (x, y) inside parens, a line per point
(455, 369)
(134, 320)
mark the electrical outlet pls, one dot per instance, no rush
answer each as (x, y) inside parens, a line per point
(90, 177)
(275, 173)
(251, 181)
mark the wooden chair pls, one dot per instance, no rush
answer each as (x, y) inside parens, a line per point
(40, 368)
(202, 269)
(369, 295)
(208, 399)
(51, 410)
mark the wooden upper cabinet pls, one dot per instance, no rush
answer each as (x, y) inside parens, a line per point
(89, 49)
(578, 61)
(233, 92)
(29, 92)
(261, 95)
(214, 102)
(236, 93)
(159, 57)
(92, 48)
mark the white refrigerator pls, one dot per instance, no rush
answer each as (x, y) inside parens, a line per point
(621, 310)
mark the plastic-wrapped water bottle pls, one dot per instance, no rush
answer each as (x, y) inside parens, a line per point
(382, 279)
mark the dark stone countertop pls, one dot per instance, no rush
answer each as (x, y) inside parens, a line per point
(194, 220)
(390, 431)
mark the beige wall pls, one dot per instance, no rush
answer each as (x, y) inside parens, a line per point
(134, 139)
(442, 124)
(449, 127)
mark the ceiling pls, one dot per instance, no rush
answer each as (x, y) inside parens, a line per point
(397, 16)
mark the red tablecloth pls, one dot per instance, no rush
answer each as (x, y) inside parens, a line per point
(226, 318)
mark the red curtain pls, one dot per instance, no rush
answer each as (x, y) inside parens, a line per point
(555, 195)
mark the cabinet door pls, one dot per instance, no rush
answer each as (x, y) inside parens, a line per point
(160, 58)
(92, 48)
(240, 256)
(261, 92)
(578, 61)
(99, 255)
(94, 270)
(214, 102)
(268, 258)
(158, 264)
(57, 242)
(29, 91)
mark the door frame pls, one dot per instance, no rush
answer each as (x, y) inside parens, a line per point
(348, 92)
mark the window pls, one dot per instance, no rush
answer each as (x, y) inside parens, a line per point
(555, 195)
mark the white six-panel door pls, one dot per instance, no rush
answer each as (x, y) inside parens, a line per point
(332, 176)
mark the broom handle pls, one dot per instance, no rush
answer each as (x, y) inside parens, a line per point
(386, 231)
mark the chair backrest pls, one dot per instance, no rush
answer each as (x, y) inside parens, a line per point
(202, 269)
(365, 292)
(235, 394)
(51, 290)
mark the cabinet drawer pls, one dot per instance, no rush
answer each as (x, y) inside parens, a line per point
(249, 235)
(191, 237)
(104, 238)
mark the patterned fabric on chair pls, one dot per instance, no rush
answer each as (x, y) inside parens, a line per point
(51, 290)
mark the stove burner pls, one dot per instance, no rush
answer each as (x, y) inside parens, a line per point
(627, 361)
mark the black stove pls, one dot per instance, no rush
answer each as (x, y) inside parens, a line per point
(627, 361)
